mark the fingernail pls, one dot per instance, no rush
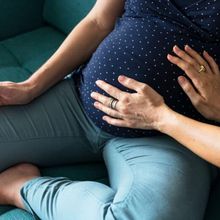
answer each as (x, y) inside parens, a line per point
(181, 80)
(176, 47)
(169, 56)
(98, 82)
(205, 52)
(187, 46)
(92, 94)
(121, 78)
(96, 104)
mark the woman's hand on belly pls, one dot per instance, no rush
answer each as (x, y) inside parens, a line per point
(141, 109)
(146, 109)
(204, 87)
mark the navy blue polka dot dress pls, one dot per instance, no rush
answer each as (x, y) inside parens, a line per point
(138, 47)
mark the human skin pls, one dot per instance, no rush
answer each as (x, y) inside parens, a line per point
(73, 52)
(76, 49)
(146, 109)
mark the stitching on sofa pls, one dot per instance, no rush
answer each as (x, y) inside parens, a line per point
(15, 58)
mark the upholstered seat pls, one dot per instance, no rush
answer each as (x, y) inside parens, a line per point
(31, 30)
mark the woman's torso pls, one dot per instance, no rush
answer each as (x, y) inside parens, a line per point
(138, 47)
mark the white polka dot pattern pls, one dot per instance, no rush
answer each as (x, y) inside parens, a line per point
(138, 46)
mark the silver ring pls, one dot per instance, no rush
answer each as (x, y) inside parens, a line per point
(110, 102)
(114, 104)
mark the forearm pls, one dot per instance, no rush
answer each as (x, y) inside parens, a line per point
(201, 138)
(75, 50)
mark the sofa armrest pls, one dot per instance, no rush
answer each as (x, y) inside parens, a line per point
(18, 16)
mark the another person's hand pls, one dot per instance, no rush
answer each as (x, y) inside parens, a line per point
(141, 109)
(14, 93)
(204, 87)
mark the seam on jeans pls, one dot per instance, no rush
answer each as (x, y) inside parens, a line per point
(131, 185)
(92, 194)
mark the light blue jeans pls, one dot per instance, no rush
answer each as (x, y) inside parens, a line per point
(150, 178)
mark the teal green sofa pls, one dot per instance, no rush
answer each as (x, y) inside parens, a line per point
(30, 32)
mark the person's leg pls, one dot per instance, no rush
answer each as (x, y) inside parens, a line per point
(11, 181)
(159, 179)
(150, 179)
(51, 130)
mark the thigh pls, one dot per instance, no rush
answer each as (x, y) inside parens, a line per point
(50, 130)
(156, 178)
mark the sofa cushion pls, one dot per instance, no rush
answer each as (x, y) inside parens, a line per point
(6, 58)
(16, 214)
(9, 67)
(27, 52)
(14, 74)
(19, 16)
(65, 14)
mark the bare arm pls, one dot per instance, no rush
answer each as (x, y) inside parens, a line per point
(201, 138)
(78, 46)
(146, 109)
(75, 50)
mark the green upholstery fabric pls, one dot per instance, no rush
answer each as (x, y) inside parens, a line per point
(21, 55)
(8, 73)
(14, 213)
(14, 15)
(9, 66)
(32, 49)
(65, 14)
(6, 58)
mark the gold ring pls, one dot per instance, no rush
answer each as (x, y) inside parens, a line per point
(202, 68)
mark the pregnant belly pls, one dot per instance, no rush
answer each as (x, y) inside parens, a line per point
(137, 50)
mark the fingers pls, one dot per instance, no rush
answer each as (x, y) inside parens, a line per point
(115, 122)
(189, 90)
(101, 98)
(182, 54)
(197, 57)
(107, 110)
(134, 84)
(109, 89)
(211, 62)
(186, 67)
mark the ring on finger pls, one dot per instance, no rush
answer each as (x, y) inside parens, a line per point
(202, 69)
(110, 102)
(114, 104)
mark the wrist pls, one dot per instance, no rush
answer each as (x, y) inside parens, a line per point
(31, 88)
(165, 119)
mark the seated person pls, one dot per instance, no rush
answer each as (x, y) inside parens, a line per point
(138, 47)
(150, 177)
